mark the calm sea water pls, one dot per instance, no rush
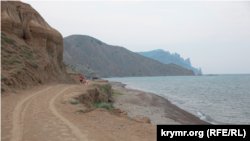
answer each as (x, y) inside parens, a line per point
(222, 99)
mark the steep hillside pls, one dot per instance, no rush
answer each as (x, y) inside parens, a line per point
(167, 58)
(31, 50)
(90, 56)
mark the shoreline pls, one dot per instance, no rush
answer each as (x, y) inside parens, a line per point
(159, 109)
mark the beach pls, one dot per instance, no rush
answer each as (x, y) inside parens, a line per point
(158, 109)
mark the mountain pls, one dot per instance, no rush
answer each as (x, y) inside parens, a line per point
(31, 50)
(93, 57)
(167, 58)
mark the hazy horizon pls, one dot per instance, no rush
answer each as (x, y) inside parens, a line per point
(214, 35)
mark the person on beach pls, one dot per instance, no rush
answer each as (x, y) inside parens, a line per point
(84, 81)
(81, 79)
(87, 82)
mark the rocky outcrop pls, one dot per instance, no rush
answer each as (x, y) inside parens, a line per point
(27, 24)
(141, 119)
(119, 112)
(96, 94)
(168, 58)
(34, 43)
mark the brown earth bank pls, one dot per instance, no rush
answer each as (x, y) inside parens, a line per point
(48, 112)
(158, 109)
(31, 50)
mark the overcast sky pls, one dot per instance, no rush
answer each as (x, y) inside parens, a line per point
(214, 35)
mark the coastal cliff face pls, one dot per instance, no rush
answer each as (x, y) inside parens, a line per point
(92, 57)
(167, 58)
(32, 51)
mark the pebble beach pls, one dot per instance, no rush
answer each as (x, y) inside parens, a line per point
(158, 109)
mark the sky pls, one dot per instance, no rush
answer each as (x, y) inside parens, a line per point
(215, 35)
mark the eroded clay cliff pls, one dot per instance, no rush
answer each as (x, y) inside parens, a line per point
(32, 51)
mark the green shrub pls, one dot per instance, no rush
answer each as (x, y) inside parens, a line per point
(96, 105)
(102, 105)
(7, 40)
(79, 111)
(10, 61)
(74, 102)
(104, 87)
(8, 50)
(3, 77)
(2, 42)
(39, 56)
(7, 67)
(3, 34)
(34, 64)
(13, 74)
(112, 106)
(26, 54)
(105, 105)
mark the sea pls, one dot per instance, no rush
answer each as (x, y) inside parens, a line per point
(219, 99)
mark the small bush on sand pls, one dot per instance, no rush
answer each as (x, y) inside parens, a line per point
(105, 105)
(78, 111)
(74, 102)
(102, 105)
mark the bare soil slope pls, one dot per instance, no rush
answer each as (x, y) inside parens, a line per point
(91, 56)
(31, 50)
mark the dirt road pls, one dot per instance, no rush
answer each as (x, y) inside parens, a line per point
(39, 115)
(36, 118)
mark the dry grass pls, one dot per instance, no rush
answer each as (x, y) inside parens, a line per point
(26, 54)
(7, 40)
(33, 64)
(1, 42)
(3, 77)
(72, 72)
(10, 61)
(3, 34)
(116, 92)
(8, 50)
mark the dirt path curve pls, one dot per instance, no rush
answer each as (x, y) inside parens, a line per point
(35, 118)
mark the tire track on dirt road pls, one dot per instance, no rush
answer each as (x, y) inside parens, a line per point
(36, 118)
(17, 121)
(75, 130)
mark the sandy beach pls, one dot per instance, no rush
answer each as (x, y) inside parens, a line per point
(158, 109)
